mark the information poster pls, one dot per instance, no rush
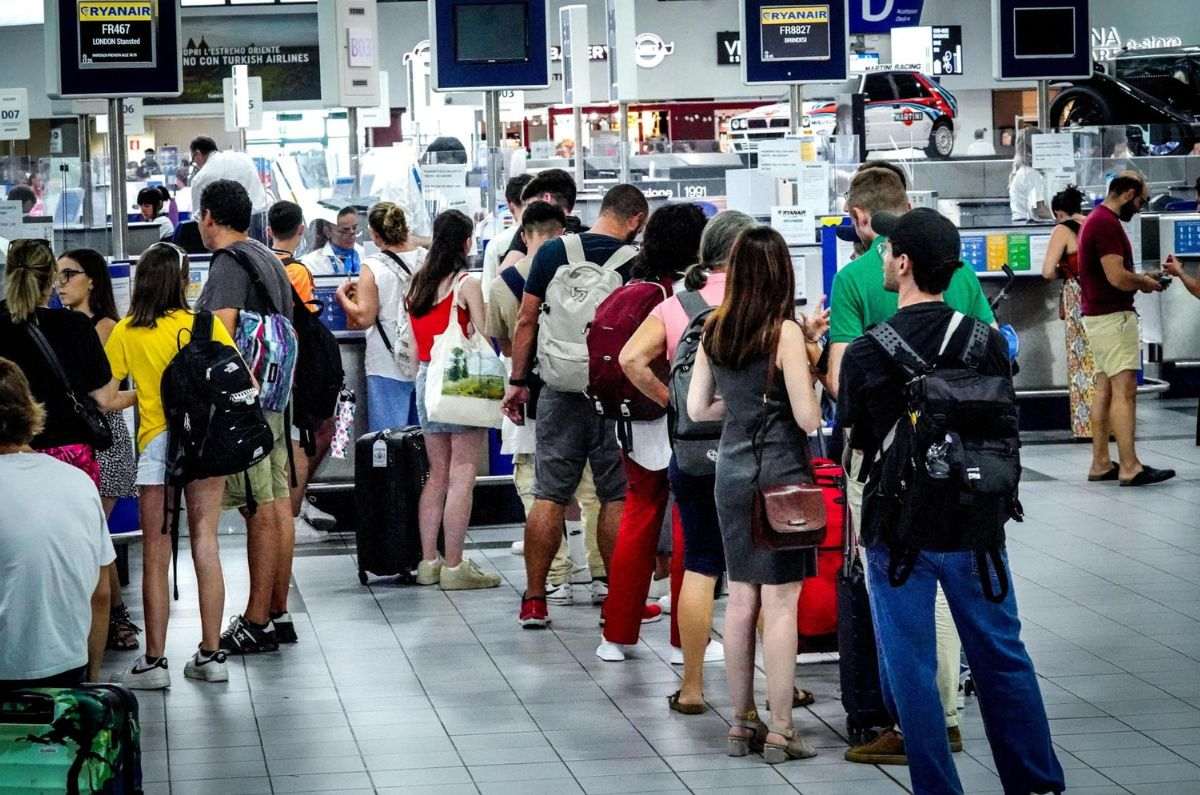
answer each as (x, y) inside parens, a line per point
(779, 156)
(1038, 246)
(116, 33)
(794, 223)
(974, 252)
(1018, 252)
(997, 251)
(14, 114)
(1054, 151)
(813, 187)
(790, 32)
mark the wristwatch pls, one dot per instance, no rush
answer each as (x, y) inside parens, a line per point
(518, 382)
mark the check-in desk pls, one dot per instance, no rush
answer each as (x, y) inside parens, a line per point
(1178, 310)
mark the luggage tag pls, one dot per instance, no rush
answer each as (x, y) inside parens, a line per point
(379, 454)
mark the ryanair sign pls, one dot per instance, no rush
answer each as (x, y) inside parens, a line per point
(117, 33)
(115, 11)
(793, 15)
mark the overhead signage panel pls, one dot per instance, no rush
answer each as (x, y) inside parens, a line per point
(794, 42)
(116, 32)
(881, 16)
(794, 33)
(1041, 40)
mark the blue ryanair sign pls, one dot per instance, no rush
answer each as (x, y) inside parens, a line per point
(880, 16)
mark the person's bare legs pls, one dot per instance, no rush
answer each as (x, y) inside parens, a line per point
(306, 466)
(156, 562)
(779, 649)
(740, 616)
(432, 505)
(263, 534)
(465, 449)
(543, 535)
(607, 529)
(1101, 428)
(115, 599)
(1122, 419)
(695, 611)
(204, 514)
(281, 583)
(98, 632)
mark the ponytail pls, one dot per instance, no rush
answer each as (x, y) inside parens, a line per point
(28, 277)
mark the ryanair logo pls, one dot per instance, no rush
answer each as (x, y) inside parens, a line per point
(794, 15)
(116, 11)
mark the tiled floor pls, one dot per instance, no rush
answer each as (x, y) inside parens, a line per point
(416, 691)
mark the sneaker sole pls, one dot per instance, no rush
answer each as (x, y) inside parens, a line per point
(136, 684)
(876, 759)
(198, 677)
(534, 623)
(469, 587)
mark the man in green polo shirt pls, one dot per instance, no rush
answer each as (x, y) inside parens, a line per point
(859, 302)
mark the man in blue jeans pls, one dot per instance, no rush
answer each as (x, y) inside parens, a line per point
(920, 257)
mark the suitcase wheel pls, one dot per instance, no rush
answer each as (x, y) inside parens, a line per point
(362, 578)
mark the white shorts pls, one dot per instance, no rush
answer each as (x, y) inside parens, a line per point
(152, 462)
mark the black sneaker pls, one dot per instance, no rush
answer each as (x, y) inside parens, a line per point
(240, 637)
(285, 630)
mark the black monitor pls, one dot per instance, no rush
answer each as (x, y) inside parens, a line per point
(1044, 32)
(488, 33)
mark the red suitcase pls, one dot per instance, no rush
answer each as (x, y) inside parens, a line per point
(817, 614)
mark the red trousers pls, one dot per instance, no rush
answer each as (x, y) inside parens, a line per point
(633, 559)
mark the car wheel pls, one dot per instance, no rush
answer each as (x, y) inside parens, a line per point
(941, 140)
(1080, 106)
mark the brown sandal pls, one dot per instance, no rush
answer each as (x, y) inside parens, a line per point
(800, 698)
(685, 709)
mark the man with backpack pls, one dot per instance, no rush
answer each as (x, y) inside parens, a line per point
(569, 278)
(249, 292)
(928, 399)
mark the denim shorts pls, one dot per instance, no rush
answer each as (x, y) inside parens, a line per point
(152, 462)
(389, 403)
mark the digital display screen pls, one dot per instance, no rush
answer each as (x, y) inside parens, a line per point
(791, 32)
(491, 33)
(1044, 32)
(1187, 237)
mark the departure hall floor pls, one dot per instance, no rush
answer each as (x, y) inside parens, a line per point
(412, 690)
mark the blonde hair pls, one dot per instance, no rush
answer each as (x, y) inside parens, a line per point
(388, 221)
(28, 276)
(21, 417)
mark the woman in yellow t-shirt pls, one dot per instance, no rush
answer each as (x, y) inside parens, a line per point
(140, 347)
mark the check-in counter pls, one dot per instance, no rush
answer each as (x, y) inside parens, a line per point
(1177, 311)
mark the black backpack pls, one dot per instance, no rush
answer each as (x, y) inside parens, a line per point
(694, 443)
(319, 374)
(946, 475)
(214, 423)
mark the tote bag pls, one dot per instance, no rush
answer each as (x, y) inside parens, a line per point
(465, 381)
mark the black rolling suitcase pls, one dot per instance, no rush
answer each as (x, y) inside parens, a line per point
(84, 739)
(858, 663)
(390, 468)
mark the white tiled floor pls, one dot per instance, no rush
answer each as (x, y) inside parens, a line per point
(416, 691)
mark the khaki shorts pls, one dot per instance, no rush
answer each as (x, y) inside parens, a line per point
(1116, 346)
(268, 478)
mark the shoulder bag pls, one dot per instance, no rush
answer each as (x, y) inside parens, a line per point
(87, 413)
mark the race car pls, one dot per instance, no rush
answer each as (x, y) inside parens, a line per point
(904, 109)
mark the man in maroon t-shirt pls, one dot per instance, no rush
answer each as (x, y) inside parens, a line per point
(1108, 283)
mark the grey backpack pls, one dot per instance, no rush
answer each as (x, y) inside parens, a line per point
(694, 443)
(572, 296)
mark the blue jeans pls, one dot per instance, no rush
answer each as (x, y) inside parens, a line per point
(389, 403)
(1009, 699)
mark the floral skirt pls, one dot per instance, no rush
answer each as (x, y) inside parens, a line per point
(1081, 368)
(80, 456)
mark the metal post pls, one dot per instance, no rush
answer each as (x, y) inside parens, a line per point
(355, 166)
(116, 175)
(85, 169)
(1043, 104)
(491, 122)
(577, 120)
(623, 134)
(795, 108)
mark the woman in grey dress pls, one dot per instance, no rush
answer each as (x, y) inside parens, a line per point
(771, 408)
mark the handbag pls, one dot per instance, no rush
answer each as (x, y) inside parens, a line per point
(87, 413)
(784, 516)
(465, 382)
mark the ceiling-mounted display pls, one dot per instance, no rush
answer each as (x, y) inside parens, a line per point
(1041, 40)
(790, 42)
(481, 45)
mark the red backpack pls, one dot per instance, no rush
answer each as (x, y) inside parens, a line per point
(617, 318)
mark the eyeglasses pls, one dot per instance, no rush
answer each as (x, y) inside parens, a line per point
(66, 274)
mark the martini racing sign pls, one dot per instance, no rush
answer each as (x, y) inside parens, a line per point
(116, 33)
(794, 32)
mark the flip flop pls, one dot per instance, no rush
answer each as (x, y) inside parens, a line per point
(1111, 474)
(685, 709)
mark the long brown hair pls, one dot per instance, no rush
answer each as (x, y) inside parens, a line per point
(158, 284)
(451, 231)
(101, 301)
(759, 296)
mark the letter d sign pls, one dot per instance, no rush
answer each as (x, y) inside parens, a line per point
(869, 16)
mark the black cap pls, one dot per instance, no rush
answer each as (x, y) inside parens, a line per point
(929, 238)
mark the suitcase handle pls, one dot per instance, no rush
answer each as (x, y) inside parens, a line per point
(26, 708)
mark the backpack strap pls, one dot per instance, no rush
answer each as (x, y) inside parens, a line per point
(574, 247)
(399, 262)
(202, 326)
(693, 303)
(955, 321)
(513, 279)
(897, 350)
(620, 257)
(976, 346)
(264, 294)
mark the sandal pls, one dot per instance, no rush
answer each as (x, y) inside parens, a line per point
(685, 709)
(792, 747)
(800, 698)
(750, 735)
(122, 632)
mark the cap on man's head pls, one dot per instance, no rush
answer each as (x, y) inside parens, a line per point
(929, 238)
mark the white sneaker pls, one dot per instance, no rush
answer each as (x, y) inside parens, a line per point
(613, 652)
(429, 572)
(713, 653)
(144, 676)
(207, 668)
(316, 517)
(660, 588)
(581, 576)
(518, 548)
(599, 591)
(665, 604)
(306, 533)
(563, 594)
